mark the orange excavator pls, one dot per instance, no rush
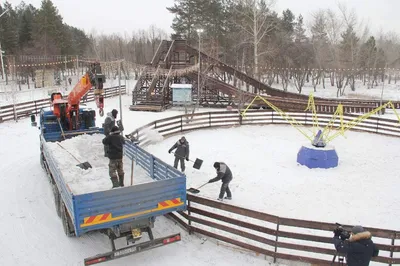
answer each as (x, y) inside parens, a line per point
(67, 110)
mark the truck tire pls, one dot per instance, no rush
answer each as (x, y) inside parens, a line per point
(66, 221)
(57, 199)
(42, 161)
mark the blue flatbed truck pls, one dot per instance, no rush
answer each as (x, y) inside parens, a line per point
(123, 212)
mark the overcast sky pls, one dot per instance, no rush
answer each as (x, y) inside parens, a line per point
(129, 15)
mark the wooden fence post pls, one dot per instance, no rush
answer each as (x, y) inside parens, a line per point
(209, 119)
(377, 125)
(276, 241)
(393, 241)
(181, 123)
(189, 221)
(272, 116)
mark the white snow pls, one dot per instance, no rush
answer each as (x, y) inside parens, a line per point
(32, 233)
(267, 177)
(89, 148)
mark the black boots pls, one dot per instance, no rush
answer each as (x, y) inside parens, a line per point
(114, 181)
(121, 181)
(117, 183)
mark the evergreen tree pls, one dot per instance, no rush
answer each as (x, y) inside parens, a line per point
(299, 31)
(8, 29)
(186, 17)
(349, 48)
(288, 22)
(26, 16)
(48, 30)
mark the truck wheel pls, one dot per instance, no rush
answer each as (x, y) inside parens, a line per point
(66, 221)
(57, 199)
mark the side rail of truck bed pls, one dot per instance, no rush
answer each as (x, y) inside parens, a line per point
(106, 209)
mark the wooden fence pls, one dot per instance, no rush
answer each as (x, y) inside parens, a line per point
(19, 110)
(262, 233)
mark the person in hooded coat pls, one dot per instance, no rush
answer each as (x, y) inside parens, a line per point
(181, 153)
(115, 142)
(358, 249)
(108, 124)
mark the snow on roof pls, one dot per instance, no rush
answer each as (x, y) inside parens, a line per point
(181, 86)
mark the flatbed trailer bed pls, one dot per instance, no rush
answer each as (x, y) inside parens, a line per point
(122, 212)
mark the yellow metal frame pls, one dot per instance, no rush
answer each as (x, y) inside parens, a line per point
(339, 113)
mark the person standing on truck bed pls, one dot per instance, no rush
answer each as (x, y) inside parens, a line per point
(108, 124)
(181, 153)
(225, 175)
(115, 143)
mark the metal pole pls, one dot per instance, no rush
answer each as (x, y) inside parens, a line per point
(119, 85)
(199, 31)
(383, 87)
(198, 78)
(2, 62)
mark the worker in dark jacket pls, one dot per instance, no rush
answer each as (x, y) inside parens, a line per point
(108, 124)
(116, 167)
(181, 153)
(225, 175)
(358, 249)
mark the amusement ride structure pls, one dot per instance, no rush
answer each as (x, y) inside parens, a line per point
(175, 61)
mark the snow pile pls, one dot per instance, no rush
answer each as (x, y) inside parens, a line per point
(152, 135)
(91, 149)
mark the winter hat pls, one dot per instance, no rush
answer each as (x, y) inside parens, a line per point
(216, 165)
(357, 229)
(114, 112)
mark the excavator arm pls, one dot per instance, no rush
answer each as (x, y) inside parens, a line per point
(69, 109)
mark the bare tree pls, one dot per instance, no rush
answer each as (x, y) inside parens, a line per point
(257, 22)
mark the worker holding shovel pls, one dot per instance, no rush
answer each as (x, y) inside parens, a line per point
(225, 175)
(181, 153)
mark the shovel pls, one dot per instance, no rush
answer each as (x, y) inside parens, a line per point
(84, 165)
(196, 164)
(196, 190)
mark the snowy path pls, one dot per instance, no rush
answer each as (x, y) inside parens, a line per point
(32, 234)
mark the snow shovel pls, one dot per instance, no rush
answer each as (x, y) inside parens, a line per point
(196, 164)
(196, 190)
(84, 165)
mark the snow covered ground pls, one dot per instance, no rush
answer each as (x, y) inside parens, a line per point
(267, 177)
(32, 234)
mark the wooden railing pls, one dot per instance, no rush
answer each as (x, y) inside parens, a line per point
(262, 233)
(183, 123)
(19, 110)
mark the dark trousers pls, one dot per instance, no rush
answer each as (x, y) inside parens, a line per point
(182, 160)
(225, 188)
(106, 148)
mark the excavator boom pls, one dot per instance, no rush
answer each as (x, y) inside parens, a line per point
(69, 110)
(80, 89)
